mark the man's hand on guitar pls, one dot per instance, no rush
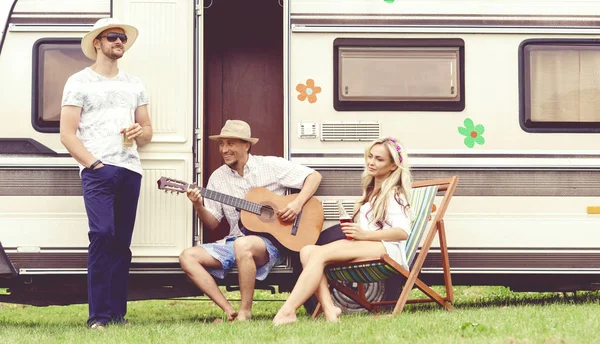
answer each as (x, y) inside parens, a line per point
(290, 212)
(194, 195)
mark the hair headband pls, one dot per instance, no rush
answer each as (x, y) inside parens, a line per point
(398, 148)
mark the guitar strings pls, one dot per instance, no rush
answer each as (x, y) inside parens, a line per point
(268, 209)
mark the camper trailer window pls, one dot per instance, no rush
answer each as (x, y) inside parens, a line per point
(54, 61)
(399, 74)
(560, 85)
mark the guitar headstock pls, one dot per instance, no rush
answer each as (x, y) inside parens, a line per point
(173, 185)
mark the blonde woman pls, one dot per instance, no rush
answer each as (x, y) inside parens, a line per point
(381, 224)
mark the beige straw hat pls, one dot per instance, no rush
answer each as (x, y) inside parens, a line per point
(235, 129)
(87, 43)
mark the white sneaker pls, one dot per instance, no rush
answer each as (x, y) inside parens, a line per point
(98, 326)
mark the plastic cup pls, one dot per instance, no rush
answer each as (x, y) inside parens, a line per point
(346, 219)
(126, 142)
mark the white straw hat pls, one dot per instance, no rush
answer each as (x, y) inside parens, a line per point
(235, 129)
(87, 43)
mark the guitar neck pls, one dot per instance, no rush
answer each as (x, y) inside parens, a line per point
(238, 203)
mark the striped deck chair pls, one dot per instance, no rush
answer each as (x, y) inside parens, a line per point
(374, 270)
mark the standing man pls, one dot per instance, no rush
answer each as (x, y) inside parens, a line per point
(104, 118)
(254, 255)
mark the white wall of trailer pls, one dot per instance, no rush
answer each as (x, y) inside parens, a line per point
(474, 7)
(163, 58)
(492, 99)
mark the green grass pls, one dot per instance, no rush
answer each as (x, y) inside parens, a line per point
(481, 315)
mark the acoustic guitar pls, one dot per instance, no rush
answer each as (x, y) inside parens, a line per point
(258, 213)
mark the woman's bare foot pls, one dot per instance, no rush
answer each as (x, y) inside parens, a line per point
(232, 316)
(243, 316)
(332, 314)
(284, 318)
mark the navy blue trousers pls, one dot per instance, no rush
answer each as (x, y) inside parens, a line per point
(111, 196)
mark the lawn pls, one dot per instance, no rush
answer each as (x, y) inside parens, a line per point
(481, 315)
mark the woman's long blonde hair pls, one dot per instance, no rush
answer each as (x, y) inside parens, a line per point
(397, 184)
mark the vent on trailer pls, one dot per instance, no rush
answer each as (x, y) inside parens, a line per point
(330, 208)
(349, 131)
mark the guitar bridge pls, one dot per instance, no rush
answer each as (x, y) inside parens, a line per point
(296, 223)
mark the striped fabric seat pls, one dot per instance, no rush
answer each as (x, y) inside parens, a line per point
(421, 202)
(362, 272)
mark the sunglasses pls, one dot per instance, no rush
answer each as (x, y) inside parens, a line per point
(112, 37)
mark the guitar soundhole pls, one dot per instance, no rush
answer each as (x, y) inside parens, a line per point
(267, 213)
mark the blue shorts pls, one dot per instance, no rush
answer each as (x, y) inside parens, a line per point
(224, 253)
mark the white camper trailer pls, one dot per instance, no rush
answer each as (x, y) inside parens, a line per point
(505, 94)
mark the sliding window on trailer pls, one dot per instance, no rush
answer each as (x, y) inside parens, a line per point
(54, 61)
(399, 74)
(559, 83)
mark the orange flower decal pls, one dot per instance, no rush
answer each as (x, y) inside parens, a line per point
(308, 91)
(433, 209)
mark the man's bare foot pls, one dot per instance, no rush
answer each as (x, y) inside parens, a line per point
(243, 316)
(232, 316)
(333, 314)
(283, 318)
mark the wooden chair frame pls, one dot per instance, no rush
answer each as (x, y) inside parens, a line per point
(447, 187)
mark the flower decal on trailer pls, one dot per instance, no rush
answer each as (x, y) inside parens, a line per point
(472, 133)
(308, 91)
(433, 209)
(389, 1)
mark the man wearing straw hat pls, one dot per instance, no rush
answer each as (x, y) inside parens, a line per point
(104, 118)
(254, 255)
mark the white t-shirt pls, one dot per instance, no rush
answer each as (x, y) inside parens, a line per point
(273, 173)
(396, 218)
(108, 105)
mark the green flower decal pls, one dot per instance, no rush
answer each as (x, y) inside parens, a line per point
(389, 1)
(472, 133)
